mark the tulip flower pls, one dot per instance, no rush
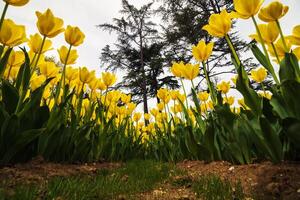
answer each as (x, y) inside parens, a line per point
(296, 51)
(108, 78)
(71, 74)
(269, 33)
(278, 49)
(147, 116)
(164, 95)
(246, 8)
(177, 69)
(228, 100)
(35, 43)
(74, 36)
(16, 2)
(202, 51)
(203, 96)
(273, 12)
(219, 24)
(190, 71)
(67, 56)
(259, 75)
(85, 76)
(295, 37)
(48, 69)
(12, 35)
(16, 58)
(36, 81)
(223, 87)
(136, 116)
(49, 25)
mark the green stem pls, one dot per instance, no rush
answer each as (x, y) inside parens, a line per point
(209, 84)
(39, 55)
(3, 14)
(271, 69)
(233, 51)
(184, 91)
(275, 51)
(282, 36)
(64, 71)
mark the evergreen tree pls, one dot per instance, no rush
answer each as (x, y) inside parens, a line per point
(137, 52)
(183, 22)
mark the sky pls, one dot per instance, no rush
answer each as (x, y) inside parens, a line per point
(86, 14)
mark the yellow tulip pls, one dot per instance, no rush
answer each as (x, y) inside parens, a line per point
(16, 2)
(267, 95)
(85, 76)
(280, 49)
(108, 78)
(202, 51)
(296, 51)
(274, 11)
(259, 75)
(126, 98)
(190, 71)
(74, 36)
(154, 112)
(147, 116)
(137, 116)
(163, 94)
(269, 33)
(177, 69)
(203, 96)
(48, 69)
(174, 94)
(241, 102)
(49, 25)
(63, 53)
(223, 87)
(101, 86)
(295, 37)
(11, 34)
(219, 24)
(35, 43)
(247, 8)
(36, 81)
(93, 85)
(160, 106)
(71, 74)
(229, 100)
(16, 58)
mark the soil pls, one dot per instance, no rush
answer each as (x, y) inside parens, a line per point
(265, 180)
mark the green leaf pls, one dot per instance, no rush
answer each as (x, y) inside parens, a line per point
(272, 139)
(10, 96)
(260, 57)
(3, 61)
(21, 142)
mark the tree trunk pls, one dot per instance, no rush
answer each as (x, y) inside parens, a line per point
(144, 85)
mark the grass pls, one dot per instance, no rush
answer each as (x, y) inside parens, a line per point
(126, 182)
(212, 187)
(134, 177)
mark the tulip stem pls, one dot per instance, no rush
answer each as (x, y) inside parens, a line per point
(184, 91)
(282, 36)
(39, 55)
(64, 71)
(233, 51)
(276, 53)
(3, 14)
(209, 84)
(271, 69)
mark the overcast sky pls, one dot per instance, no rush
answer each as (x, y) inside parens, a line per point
(88, 13)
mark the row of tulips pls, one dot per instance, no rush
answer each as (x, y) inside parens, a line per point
(65, 113)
